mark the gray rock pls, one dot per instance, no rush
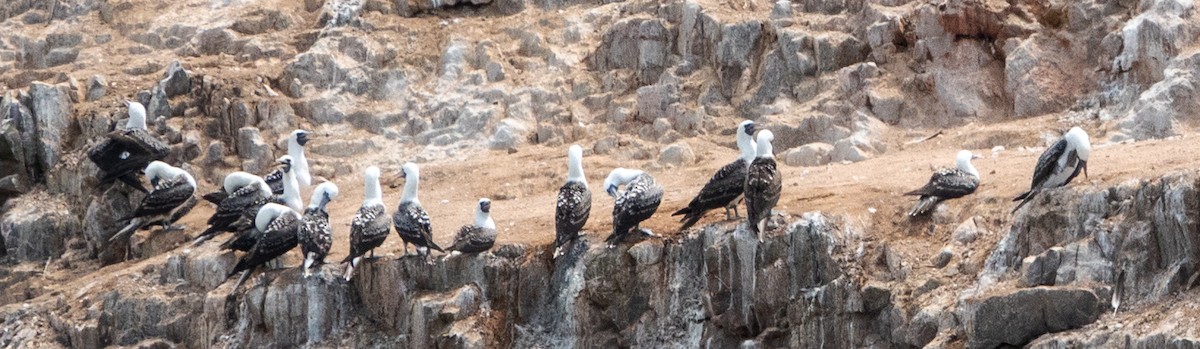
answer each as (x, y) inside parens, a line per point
(159, 104)
(97, 86)
(678, 154)
(781, 9)
(1041, 270)
(344, 147)
(1040, 79)
(176, 80)
(495, 72)
(967, 232)
(834, 50)
(1017, 317)
(37, 227)
(255, 153)
(215, 41)
(1160, 108)
(812, 154)
(52, 108)
(641, 45)
(943, 257)
(509, 134)
(654, 101)
(848, 150)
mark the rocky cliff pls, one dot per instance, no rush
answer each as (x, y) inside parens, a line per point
(485, 94)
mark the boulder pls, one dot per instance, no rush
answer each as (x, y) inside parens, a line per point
(812, 154)
(176, 80)
(255, 153)
(677, 154)
(37, 227)
(641, 45)
(97, 87)
(1017, 317)
(1041, 78)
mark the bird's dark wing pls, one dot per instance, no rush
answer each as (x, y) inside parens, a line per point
(166, 197)
(473, 239)
(412, 223)
(638, 203)
(278, 239)
(315, 233)
(368, 230)
(948, 184)
(722, 188)
(571, 211)
(763, 187)
(1047, 164)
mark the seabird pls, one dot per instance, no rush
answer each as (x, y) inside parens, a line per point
(279, 225)
(125, 152)
(637, 203)
(411, 220)
(371, 224)
(724, 186)
(574, 203)
(246, 233)
(296, 143)
(478, 237)
(247, 190)
(1059, 164)
(173, 189)
(763, 184)
(315, 235)
(946, 184)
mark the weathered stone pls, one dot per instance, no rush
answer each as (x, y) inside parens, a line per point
(175, 80)
(638, 44)
(1043, 80)
(654, 101)
(253, 150)
(678, 154)
(967, 232)
(51, 106)
(509, 134)
(943, 257)
(97, 86)
(1017, 317)
(1158, 110)
(37, 227)
(812, 154)
(835, 50)
(1042, 269)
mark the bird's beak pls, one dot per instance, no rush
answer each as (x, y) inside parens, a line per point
(302, 139)
(612, 191)
(1084, 164)
(975, 157)
(750, 129)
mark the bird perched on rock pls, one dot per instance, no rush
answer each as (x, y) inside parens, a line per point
(763, 185)
(316, 237)
(274, 178)
(247, 191)
(637, 203)
(724, 186)
(279, 225)
(244, 227)
(478, 237)
(947, 183)
(574, 203)
(123, 153)
(411, 220)
(1059, 164)
(174, 189)
(371, 224)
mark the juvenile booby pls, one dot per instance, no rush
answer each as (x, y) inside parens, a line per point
(371, 224)
(637, 203)
(279, 225)
(724, 186)
(296, 143)
(946, 184)
(763, 185)
(316, 237)
(125, 152)
(411, 220)
(274, 179)
(478, 237)
(574, 203)
(246, 233)
(1059, 164)
(173, 189)
(246, 190)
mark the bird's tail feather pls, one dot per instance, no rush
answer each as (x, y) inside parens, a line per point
(129, 228)
(216, 197)
(685, 210)
(688, 221)
(1023, 196)
(1025, 200)
(923, 206)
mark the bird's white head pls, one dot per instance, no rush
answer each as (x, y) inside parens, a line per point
(963, 162)
(745, 140)
(483, 214)
(764, 144)
(618, 177)
(323, 194)
(412, 181)
(575, 164)
(157, 170)
(239, 179)
(268, 213)
(372, 191)
(298, 137)
(137, 116)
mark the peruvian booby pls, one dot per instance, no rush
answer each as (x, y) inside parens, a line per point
(478, 237)
(724, 186)
(246, 233)
(411, 220)
(1059, 164)
(763, 185)
(274, 178)
(296, 142)
(946, 184)
(279, 225)
(125, 152)
(173, 189)
(247, 190)
(574, 203)
(371, 224)
(637, 203)
(316, 237)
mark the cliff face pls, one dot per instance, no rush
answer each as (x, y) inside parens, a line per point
(485, 94)
(1113, 254)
